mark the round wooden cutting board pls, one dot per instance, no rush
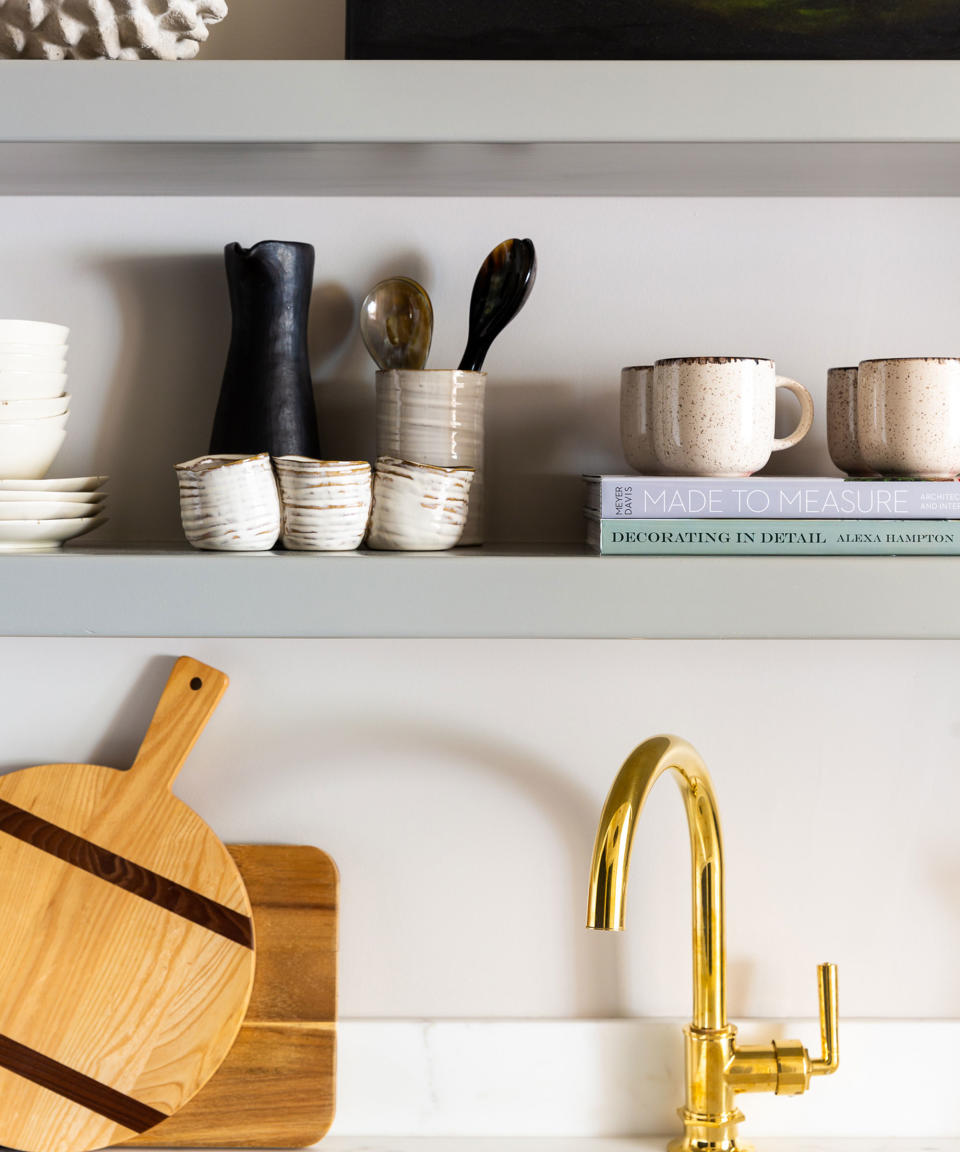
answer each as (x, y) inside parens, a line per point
(126, 939)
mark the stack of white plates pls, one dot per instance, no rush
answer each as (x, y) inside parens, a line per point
(34, 404)
(44, 513)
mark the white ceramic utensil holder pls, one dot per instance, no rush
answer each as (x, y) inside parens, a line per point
(435, 416)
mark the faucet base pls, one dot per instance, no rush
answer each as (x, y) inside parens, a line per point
(686, 1144)
(705, 1133)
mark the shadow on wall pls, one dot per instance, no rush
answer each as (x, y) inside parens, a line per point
(571, 809)
(174, 326)
(342, 369)
(127, 726)
(534, 431)
(279, 30)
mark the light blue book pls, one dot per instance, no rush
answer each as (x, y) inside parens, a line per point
(637, 537)
(771, 498)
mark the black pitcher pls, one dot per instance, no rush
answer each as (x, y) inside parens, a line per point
(266, 399)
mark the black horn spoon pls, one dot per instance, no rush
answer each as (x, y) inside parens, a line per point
(499, 292)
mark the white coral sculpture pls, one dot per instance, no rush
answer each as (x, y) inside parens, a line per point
(106, 29)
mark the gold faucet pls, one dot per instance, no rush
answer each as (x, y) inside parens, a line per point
(716, 1068)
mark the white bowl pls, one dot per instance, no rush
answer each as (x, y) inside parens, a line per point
(229, 503)
(28, 450)
(33, 332)
(418, 507)
(37, 422)
(48, 351)
(325, 503)
(38, 409)
(44, 362)
(31, 385)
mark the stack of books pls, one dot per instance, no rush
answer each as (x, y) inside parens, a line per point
(757, 516)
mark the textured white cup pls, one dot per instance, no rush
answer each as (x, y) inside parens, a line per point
(908, 416)
(418, 507)
(636, 434)
(714, 415)
(325, 504)
(229, 503)
(842, 439)
(435, 416)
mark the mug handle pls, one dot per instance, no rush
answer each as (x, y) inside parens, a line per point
(806, 413)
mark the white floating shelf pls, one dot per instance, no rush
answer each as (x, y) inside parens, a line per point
(561, 593)
(481, 127)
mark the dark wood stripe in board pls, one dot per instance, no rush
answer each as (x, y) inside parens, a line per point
(83, 1090)
(90, 857)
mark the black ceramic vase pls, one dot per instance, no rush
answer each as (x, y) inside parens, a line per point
(266, 399)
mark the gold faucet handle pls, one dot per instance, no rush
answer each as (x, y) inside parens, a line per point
(830, 1060)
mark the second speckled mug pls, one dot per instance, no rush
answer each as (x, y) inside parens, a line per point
(714, 415)
(908, 416)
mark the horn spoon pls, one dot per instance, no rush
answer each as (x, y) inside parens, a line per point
(499, 292)
(396, 323)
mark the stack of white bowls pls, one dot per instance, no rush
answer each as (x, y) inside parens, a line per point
(34, 404)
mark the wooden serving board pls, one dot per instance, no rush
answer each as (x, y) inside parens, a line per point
(276, 1087)
(126, 942)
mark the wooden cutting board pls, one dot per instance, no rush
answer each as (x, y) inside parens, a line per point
(126, 940)
(276, 1088)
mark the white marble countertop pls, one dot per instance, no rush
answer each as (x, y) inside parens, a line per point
(620, 1144)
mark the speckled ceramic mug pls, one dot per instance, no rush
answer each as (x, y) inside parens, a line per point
(908, 416)
(714, 415)
(636, 438)
(843, 442)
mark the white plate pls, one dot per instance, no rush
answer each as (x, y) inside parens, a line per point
(69, 484)
(15, 495)
(47, 510)
(33, 331)
(30, 535)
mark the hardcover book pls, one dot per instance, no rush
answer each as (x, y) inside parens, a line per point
(769, 497)
(773, 537)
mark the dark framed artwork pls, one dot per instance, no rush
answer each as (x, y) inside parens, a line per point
(653, 29)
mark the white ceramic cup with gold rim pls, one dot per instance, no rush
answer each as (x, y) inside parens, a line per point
(325, 504)
(229, 503)
(908, 416)
(714, 415)
(418, 507)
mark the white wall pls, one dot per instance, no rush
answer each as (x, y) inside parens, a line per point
(278, 30)
(810, 282)
(458, 785)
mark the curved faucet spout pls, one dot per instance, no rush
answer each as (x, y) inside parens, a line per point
(611, 860)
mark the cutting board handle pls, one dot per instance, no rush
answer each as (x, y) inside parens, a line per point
(187, 703)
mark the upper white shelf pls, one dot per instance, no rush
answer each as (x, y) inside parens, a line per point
(559, 593)
(481, 127)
